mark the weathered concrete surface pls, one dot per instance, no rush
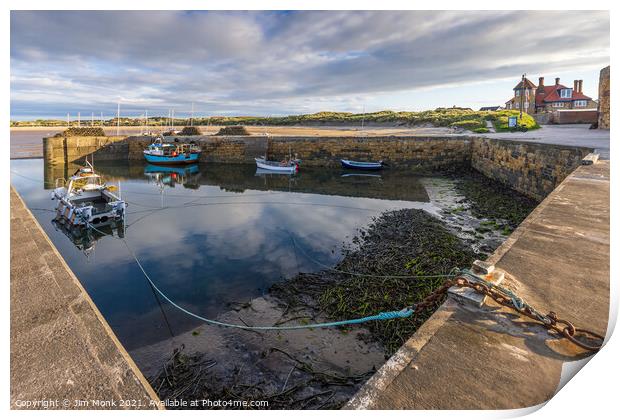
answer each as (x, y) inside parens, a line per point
(490, 358)
(573, 135)
(61, 347)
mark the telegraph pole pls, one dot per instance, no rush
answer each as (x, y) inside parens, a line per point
(118, 118)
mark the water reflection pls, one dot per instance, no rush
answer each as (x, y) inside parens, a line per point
(85, 238)
(186, 176)
(211, 234)
(390, 185)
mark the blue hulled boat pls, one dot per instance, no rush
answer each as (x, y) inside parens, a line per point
(172, 153)
(364, 166)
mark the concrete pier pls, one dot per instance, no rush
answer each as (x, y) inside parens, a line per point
(63, 353)
(465, 357)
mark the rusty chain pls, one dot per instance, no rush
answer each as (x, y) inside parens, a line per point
(507, 298)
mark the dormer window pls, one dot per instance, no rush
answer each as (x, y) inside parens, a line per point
(517, 92)
(566, 93)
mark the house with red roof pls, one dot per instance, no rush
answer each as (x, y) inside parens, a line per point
(539, 99)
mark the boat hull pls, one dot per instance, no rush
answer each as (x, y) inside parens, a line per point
(182, 159)
(261, 164)
(362, 166)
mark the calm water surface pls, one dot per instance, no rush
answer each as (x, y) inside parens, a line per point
(211, 235)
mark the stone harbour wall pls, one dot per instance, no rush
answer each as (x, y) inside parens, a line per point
(405, 152)
(603, 99)
(534, 169)
(69, 149)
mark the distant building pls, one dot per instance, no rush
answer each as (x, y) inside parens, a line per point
(541, 98)
(491, 108)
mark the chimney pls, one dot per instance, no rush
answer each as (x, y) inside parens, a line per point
(576, 86)
(557, 81)
(580, 86)
(541, 85)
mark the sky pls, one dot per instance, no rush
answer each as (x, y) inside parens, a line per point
(283, 63)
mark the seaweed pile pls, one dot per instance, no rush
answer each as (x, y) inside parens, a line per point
(406, 242)
(504, 208)
(189, 377)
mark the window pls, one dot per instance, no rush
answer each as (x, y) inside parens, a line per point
(518, 92)
(580, 104)
(566, 93)
(517, 105)
(558, 105)
(508, 105)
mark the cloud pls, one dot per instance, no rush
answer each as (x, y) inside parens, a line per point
(275, 62)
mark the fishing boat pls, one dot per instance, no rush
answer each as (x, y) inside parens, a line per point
(86, 200)
(171, 153)
(364, 166)
(288, 166)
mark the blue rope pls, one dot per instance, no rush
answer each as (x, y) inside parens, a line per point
(382, 316)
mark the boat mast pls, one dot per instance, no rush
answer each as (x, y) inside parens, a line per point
(118, 118)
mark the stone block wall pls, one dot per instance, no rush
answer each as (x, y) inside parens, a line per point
(69, 149)
(406, 152)
(534, 169)
(603, 99)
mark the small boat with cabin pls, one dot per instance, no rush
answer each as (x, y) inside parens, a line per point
(288, 166)
(363, 166)
(159, 152)
(86, 200)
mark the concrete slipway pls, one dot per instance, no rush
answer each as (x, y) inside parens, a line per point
(465, 357)
(63, 353)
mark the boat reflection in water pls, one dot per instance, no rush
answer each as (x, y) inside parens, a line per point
(170, 176)
(265, 172)
(360, 175)
(86, 237)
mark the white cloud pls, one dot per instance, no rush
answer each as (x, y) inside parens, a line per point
(274, 63)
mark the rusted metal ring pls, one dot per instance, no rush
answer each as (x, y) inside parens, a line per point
(583, 345)
(569, 328)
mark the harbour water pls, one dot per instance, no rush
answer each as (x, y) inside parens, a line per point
(211, 236)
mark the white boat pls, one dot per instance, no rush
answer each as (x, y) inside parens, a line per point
(290, 166)
(87, 200)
